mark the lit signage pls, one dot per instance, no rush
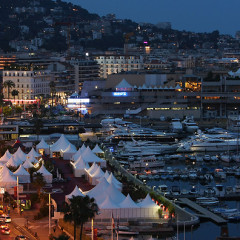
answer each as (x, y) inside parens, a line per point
(119, 94)
(78, 100)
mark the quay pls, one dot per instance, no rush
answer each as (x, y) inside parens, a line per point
(204, 213)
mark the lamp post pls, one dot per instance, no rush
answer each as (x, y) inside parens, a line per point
(92, 230)
(18, 210)
(184, 232)
(49, 209)
(192, 232)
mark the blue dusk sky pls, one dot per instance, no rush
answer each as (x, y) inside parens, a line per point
(189, 15)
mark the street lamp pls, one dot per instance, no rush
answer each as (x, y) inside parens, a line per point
(18, 210)
(49, 209)
(191, 232)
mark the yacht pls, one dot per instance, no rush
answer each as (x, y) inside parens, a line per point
(207, 201)
(189, 125)
(176, 126)
(147, 162)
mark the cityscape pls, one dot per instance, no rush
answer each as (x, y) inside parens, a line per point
(116, 129)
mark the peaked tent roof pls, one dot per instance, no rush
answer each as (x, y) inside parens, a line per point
(32, 159)
(97, 149)
(20, 153)
(28, 164)
(21, 171)
(112, 191)
(106, 174)
(98, 173)
(14, 162)
(44, 171)
(70, 149)
(98, 189)
(4, 171)
(7, 177)
(112, 179)
(89, 156)
(7, 155)
(80, 164)
(128, 203)
(33, 153)
(92, 169)
(61, 144)
(108, 203)
(42, 145)
(76, 192)
(147, 203)
(124, 84)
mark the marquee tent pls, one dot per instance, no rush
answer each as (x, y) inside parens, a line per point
(8, 180)
(22, 174)
(33, 153)
(76, 192)
(112, 180)
(90, 157)
(14, 161)
(7, 155)
(128, 203)
(78, 153)
(20, 154)
(68, 152)
(93, 177)
(32, 159)
(46, 174)
(79, 167)
(97, 150)
(28, 164)
(148, 203)
(108, 203)
(60, 145)
(43, 147)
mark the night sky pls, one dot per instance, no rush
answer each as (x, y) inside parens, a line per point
(190, 15)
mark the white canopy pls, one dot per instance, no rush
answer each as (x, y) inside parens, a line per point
(68, 152)
(20, 153)
(128, 203)
(108, 203)
(46, 174)
(8, 180)
(28, 164)
(106, 175)
(14, 161)
(33, 153)
(7, 155)
(98, 189)
(97, 149)
(79, 167)
(76, 192)
(22, 174)
(90, 157)
(98, 173)
(92, 169)
(42, 145)
(123, 85)
(112, 179)
(5, 170)
(147, 203)
(32, 159)
(60, 145)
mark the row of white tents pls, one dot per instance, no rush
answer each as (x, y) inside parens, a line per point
(110, 200)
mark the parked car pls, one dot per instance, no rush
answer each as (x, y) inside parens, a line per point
(20, 237)
(6, 230)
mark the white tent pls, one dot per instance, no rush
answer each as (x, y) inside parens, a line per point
(68, 152)
(108, 203)
(148, 203)
(90, 170)
(60, 145)
(98, 189)
(128, 203)
(20, 154)
(4, 170)
(76, 192)
(90, 157)
(97, 150)
(22, 174)
(112, 180)
(8, 180)
(43, 147)
(14, 161)
(32, 159)
(46, 174)
(96, 175)
(76, 155)
(7, 155)
(28, 164)
(79, 167)
(124, 86)
(33, 153)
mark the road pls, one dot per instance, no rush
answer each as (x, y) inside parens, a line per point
(14, 232)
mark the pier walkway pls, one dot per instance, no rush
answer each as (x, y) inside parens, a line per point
(203, 211)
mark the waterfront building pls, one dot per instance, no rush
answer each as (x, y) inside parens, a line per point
(110, 64)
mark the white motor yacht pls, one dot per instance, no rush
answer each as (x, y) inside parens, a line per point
(176, 126)
(189, 125)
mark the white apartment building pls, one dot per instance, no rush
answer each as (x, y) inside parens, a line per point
(30, 84)
(110, 64)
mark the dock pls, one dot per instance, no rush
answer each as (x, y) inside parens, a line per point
(203, 211)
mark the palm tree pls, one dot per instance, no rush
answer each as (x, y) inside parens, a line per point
(15, 93)
(9, 84)
(38, 182)
(79, 211)
(52, 86)
(38, 124)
